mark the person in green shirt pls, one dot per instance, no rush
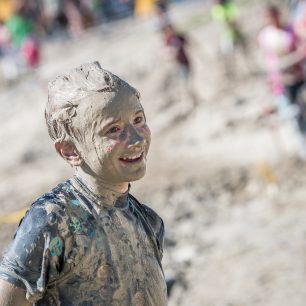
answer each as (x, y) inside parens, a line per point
(19, 28)
(225, 13)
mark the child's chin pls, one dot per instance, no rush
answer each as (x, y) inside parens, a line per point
(138, 175)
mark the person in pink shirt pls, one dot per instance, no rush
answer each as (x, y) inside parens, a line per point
(285, 55)
(284, 59)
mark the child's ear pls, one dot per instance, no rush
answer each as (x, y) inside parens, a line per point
(69, 152)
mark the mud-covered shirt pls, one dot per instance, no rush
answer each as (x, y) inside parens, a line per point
(72, 249)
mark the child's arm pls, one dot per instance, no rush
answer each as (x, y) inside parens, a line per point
(11, 295)
(291, 59)
(31, 260)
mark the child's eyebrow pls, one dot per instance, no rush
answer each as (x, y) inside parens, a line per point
(139, 111)
(111, 123)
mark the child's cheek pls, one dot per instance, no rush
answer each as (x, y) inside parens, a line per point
(111, 145)
(109, 149)
(145, 129)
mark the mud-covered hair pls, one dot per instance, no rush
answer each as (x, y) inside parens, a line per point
(67, 91)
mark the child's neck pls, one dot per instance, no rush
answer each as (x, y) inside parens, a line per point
(99, 187)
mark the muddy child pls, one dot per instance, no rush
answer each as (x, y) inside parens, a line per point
(89, 241)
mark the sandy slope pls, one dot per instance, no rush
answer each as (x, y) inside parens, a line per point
(232, 239)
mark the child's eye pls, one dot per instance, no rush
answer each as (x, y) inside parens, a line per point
(138, 120)
(113, 130)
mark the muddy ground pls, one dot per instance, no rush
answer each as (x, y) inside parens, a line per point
(226, 179)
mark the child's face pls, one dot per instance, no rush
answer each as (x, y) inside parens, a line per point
(116, 137)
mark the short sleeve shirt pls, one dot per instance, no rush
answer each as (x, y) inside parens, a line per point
(67, 252)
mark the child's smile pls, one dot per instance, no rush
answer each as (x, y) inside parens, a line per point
(132, 159)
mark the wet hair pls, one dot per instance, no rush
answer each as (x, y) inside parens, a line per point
(67, 91)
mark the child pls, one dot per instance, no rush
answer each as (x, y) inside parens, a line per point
(233, 48)
(226, 14)
(88, 241)
(177, 43)
(284, 62)
(285, 56)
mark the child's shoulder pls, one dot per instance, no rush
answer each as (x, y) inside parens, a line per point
(152, 216)
(49, 210)
(153, 221)
(51, 201)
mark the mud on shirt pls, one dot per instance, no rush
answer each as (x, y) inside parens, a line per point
(69, 251)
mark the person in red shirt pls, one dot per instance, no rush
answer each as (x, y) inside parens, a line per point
(177, 43)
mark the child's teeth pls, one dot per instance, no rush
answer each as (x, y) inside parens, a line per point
(133, 157)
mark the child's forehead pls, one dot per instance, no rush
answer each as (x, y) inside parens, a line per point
(118, 104)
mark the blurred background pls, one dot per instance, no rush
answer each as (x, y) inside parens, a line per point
(222, 84)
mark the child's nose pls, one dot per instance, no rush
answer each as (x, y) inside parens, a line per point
(137, 143)
(134, 138)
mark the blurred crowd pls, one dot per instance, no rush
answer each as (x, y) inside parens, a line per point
(25, 23)
(282, 48)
